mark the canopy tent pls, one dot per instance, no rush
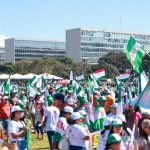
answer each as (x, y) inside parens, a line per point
(29, 76)
(17, 76)
(4, 76)
(49, 76)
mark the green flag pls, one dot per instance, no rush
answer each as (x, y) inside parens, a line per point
(7, 87)
(28, 134)
(134, 52)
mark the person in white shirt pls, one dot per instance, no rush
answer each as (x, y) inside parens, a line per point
(113, 110)
(104, 134)
(77, 134)
(62, 125)
(17, 128)
(51, 114)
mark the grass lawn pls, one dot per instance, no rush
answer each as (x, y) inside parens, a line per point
(39, 144)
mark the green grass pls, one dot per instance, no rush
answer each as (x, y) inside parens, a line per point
(39, 144)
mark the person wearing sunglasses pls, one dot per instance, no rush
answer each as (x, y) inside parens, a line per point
(144, 140)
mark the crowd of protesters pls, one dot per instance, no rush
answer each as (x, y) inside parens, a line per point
(66, 118)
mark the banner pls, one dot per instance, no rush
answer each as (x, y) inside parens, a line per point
(94, 138)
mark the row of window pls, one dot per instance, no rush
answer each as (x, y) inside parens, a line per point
(103, 33)
(38, 51)
(101, 45)
(38, 55)
(40, 44)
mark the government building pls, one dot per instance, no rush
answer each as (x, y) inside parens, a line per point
(25, 49)
(90, 44)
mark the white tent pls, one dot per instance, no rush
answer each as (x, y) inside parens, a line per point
(16, 76)
(4, 76)
(49, 76)
(29, 76)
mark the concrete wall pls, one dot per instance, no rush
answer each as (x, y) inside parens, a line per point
(10, 50)
(73, 44)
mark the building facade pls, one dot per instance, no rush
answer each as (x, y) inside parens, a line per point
(89, 45)
(22, 49)
(2, 55)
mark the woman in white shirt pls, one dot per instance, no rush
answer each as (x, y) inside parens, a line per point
(17, 128)
(77, 134)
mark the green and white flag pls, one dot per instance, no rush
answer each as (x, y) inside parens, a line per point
(144, 81)
(33, 81)
(119, 100)
(80, 78)
(71, 80)
(79, 90)
(40, 82)
(134, 52)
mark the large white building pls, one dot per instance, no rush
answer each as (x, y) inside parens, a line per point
(90, 44)
(2, 55)
(25, 49)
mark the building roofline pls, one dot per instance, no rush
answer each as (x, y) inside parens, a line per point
(112, 31)
(37, 40)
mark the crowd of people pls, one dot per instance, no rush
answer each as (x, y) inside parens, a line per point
(69, 118)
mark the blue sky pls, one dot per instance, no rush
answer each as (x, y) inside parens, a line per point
(48, 19)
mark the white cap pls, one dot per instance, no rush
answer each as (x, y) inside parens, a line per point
(82, 112)
(68, 109)
(108, 121)
(122, 118)
(31, 95)
(76, 115)
(15, 108)
(114, 105)
(116, 122)
(5, 97)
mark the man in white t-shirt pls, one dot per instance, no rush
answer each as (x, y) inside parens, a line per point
(51, 114)
(77, 134)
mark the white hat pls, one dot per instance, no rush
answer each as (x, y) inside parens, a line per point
(82, 112)
(5, 97)
(114, 105)
(117, 122)
(15, 108)
(68, 109)
(76, 115)
(122, 118)
(108, 121)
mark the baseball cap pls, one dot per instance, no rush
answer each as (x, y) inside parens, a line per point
(5, 97)
(50, 100)
(83, 100)
(112, 138)
(82, 112)
(76, 116)
(6, 92)
(38, 94)
(117, 122)
(102, 98)
(68, 109)
(114, 105)
(16, 108)
(108, 121)
(70, 91)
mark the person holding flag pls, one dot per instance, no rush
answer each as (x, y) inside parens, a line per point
(99, 114)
